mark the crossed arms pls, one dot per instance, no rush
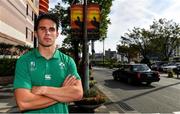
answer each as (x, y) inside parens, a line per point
(44, 96)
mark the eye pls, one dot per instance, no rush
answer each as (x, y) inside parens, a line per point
(42, 28)
(51, 29)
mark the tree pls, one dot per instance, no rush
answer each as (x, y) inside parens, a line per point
(5, 49)
(165, 37)
(160, 39)
(139, 37)
(129, 51)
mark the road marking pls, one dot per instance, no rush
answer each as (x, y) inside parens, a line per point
(176, 112)
(113, 112)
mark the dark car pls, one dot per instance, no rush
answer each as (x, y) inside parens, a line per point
(136, 73)
(177, 70)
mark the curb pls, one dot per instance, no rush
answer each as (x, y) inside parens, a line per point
(9, 109)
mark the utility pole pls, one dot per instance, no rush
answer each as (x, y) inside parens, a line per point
(85, 50)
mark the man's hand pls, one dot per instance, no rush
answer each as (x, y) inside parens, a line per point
(70, 81)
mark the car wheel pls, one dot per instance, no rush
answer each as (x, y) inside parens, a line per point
(129, 80)
(115, 77)
(148, 83)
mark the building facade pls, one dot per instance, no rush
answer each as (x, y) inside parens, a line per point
(17, 21)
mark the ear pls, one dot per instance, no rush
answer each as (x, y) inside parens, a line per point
(57, 34)
(35, 34)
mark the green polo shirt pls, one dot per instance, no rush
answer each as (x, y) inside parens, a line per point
(34, 70)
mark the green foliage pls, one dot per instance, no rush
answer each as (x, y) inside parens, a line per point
(170, 73)
(7, 67)
(107, 63)
(92, 97)
(161, 39)
(131, 51)
(5, 49)
(90, 93)
(165, 37)
(92, 83)
(9, 49)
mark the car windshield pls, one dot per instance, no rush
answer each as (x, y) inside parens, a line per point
(141, 68)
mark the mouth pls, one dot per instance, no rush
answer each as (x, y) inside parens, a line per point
(47, 39)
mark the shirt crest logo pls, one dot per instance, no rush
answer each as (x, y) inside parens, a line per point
(62, 65)
(47, 77)
(32, 66)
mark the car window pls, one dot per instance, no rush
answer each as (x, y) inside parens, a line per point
(127, 68)
(140, 68)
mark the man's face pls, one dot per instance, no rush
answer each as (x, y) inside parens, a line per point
(46, 33)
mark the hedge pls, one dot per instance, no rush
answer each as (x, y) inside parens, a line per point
(7, 66)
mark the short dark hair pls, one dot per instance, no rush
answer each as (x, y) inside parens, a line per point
(50, 16)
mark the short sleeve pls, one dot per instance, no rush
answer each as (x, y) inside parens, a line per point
(72, 69)
(22, 78)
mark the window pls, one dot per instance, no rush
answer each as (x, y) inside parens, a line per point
(127, 68)
(32, 16)
(32, 36)
(27, 9)
(26, 33)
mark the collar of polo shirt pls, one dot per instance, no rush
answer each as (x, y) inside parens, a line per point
(55, 55)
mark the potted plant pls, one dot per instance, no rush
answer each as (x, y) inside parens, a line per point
(92, 83)
(92, 99)
(170, 73)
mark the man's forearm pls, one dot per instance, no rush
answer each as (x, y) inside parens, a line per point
(41, 102)
(64, 94)
(28, 101)
(71, 90)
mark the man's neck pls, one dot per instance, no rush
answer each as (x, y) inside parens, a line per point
(47, 52)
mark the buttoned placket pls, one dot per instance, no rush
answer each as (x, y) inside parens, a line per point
(47, 72)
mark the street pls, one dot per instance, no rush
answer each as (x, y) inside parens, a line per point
(159, 97)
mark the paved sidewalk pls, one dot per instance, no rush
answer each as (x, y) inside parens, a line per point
(7, 101)
(8, 105)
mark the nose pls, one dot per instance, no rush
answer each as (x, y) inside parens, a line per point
(47, 31)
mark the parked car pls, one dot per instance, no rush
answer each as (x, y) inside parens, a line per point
(169, 67)
(136, 73)
(177, 70)
(157, 66)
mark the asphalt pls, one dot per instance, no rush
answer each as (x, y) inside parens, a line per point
(8, 105)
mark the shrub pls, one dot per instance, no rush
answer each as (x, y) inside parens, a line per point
(92, 83)
(7, 66)
(170, 73)
(92, 97)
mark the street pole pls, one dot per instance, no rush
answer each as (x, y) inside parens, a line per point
(85, 50)
(103, 53)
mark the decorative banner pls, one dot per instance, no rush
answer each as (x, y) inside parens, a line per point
(76, 17)
(77, 21)
(93, 16)
(93, 20)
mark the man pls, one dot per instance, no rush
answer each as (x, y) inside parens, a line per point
(46, 79)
